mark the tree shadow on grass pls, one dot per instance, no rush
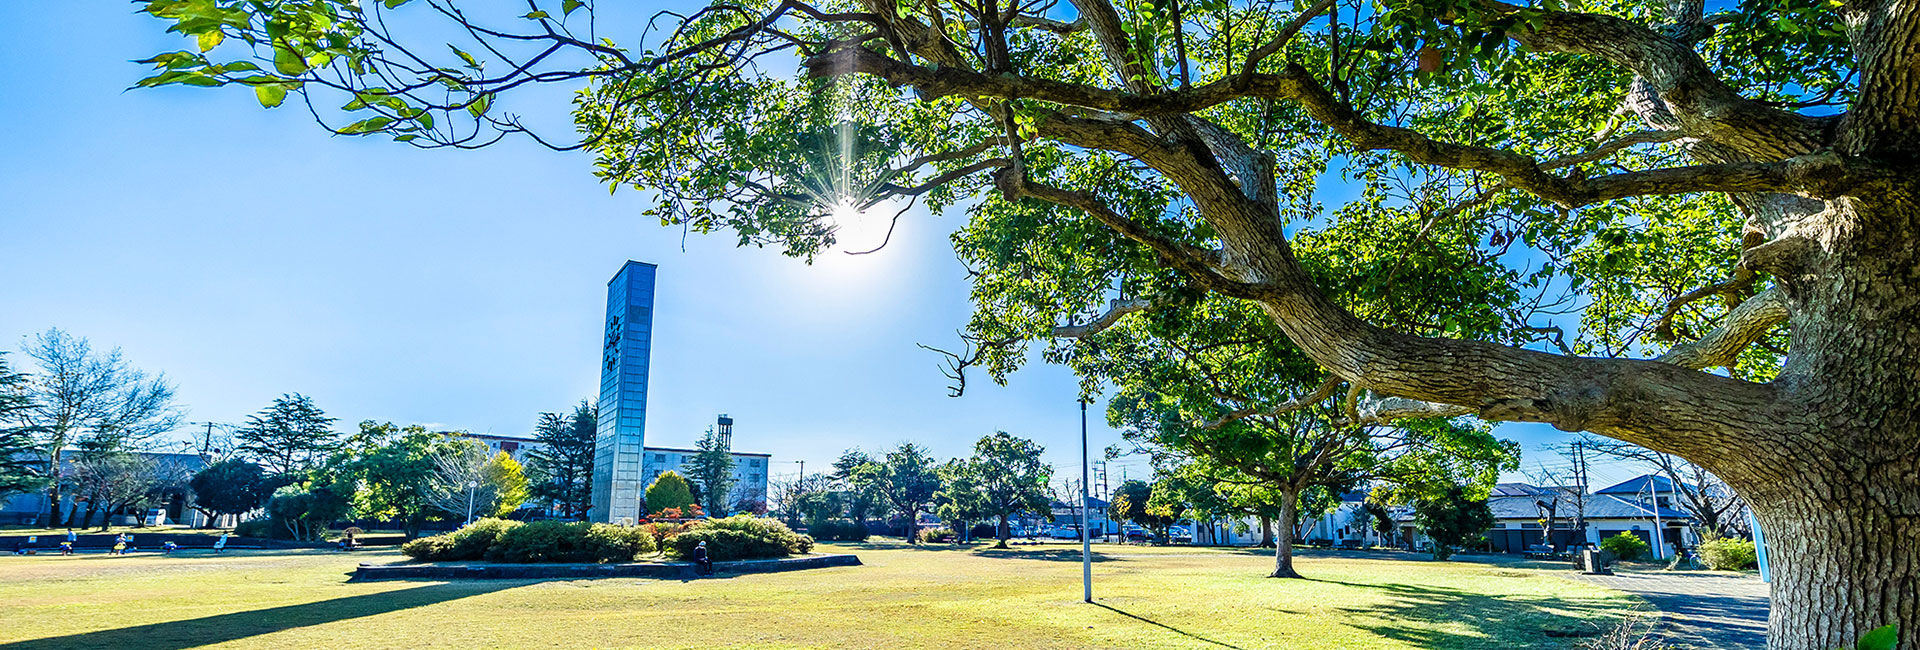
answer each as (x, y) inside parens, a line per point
(194, 633)
(1428, 616)
(1165, 626)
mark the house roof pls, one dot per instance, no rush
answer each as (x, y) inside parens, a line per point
(1638, 485)
(1598, 506)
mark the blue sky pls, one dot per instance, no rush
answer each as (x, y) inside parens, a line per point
(248, 253)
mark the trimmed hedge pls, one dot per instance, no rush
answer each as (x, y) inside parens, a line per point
(541, 541)
(740, 537)
(936, 535)
(838, 530)
(1728, 554)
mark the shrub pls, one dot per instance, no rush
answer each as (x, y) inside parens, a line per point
(661, 530)
(468, 543)
(258, 528)
(838, 530)
(542, 541)
(931, 535)
(616, 543)
(1626, 546)
(1728, 554)
(739, 537)
(984, 531)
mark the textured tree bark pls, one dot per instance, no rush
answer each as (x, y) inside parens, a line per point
(1843, 557)
(1283, 543)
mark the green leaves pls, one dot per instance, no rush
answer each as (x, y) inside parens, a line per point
(270, 95)
(1883, 638)
(568, 6)
(287, 61)
(478, 106)
(369, 125)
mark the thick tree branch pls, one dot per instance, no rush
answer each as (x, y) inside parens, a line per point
(1745, 324)
(1320, 394)
(1113, 314)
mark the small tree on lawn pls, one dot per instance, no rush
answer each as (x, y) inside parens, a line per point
(1450, 517)
(1133, 503)
(668, 491)
(1006, 477)
(230, 487)
(906, 479)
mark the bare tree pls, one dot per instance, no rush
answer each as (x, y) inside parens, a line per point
(98, 400)
(1716, 509)
(110, 481)
(465, 482)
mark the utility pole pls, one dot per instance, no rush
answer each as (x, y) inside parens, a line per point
(1086, 543)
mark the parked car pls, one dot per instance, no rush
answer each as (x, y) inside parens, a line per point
(1181, 534)
(1065, 532)
(1135, 533)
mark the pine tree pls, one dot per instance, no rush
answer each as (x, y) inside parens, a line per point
(565, 458)
(288, 435)
(20, 466)
(712, 470)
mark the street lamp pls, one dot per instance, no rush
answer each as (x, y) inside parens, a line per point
(471, 486)
(1086, 543)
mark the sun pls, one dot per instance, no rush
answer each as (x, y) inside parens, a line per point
(857, 230)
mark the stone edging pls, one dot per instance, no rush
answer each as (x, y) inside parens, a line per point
(671, 570)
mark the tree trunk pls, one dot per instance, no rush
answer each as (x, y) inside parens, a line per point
(53, 491)
(1266, 531)
(1003, 532)
(1283, 546)
(1844, 553)
(913, 526)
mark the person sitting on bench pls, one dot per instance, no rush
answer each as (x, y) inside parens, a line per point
(700, 558)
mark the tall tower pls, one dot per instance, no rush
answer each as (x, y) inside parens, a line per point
(618, 444)
(726, 431)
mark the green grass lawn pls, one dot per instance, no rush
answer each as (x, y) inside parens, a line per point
(903, 598)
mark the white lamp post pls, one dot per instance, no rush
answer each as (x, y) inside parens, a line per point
(471, 486)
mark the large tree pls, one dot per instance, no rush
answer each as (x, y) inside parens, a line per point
(906, 479)
(393, 469)
(84, 399)
(711, 471)
(1004, 477)
(290, 435)
(21, 468)
(564, 461)
(1735, 189)
(230, 487)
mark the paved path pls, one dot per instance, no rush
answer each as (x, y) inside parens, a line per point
(1705, 611)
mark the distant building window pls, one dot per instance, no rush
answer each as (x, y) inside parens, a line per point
(755, 463)
(659, 458)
